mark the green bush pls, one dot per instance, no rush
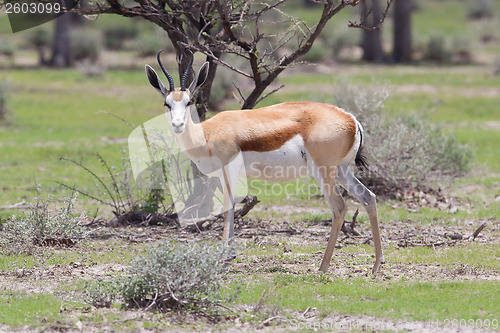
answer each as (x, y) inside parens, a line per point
(4, 90)
(496, 67)
(40, 227)
(115, 36)
(40, 38)
(86, 44)
(7, 48)
(455, 49)
(338, 40)
(91, 69)
(150, 43)
(169, 275)
(438, 49)
(488, 31)
(403, 150)
(120, 191)
(480, 9)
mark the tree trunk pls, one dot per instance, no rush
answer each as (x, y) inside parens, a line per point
(372, 40)
(61, 53)
(402, 51)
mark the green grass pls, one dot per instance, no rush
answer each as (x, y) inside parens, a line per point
(408, 301)
(474, 255)
(55, 114)
(11, 262)
(20, 309)
(111, 251)
(484, 143)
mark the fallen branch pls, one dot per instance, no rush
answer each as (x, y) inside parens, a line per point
(348, 226)
(20, 205)
(142, 218)
(250, 202)
(478, 230)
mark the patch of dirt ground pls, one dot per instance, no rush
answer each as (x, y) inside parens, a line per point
(267, 248)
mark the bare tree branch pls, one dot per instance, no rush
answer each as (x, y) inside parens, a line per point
(362, 24)
(218, 28)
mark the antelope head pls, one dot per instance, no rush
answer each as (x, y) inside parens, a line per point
(177, 100)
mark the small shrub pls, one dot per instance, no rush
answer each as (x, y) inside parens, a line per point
(180, 274)
(480, 9)
(148, 44)
(40, 227)
(86, 45)
(438, 49)
(461, 49)
(496, 67)
(91, 69)
(456, 49)
(7, 48)
(337, 41)
(489, 31)
(40, 38)
(4, 91)
(119, 191)
(169, 275)
(115, 36)
(403, 150)
(101, 293)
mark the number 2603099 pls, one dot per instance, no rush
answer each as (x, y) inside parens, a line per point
(471, 323)
(32, 8)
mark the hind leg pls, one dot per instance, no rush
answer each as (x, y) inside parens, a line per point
(368, 199)
(326, 180)
(339, 209)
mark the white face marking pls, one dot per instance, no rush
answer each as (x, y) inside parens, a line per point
(178, 110)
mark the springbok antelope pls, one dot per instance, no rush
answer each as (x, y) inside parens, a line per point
(277, 142)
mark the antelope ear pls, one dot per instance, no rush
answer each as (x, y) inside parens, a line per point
(155, 81)
(200, 79)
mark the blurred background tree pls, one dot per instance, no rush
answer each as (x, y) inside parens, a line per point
(371, 40)
(402, 49)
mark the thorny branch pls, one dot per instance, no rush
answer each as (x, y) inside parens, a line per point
(218, 28)
(363, 18)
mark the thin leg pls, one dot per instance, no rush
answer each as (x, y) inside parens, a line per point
(339, 210)
(369, 201)
(228, 206)
(326, 180)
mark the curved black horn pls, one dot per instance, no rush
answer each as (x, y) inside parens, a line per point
(169, 78)
(188, 69)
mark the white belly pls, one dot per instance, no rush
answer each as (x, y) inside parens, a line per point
(283, 164)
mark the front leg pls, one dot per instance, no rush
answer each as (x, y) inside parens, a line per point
(228, 233)
(228, 206)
